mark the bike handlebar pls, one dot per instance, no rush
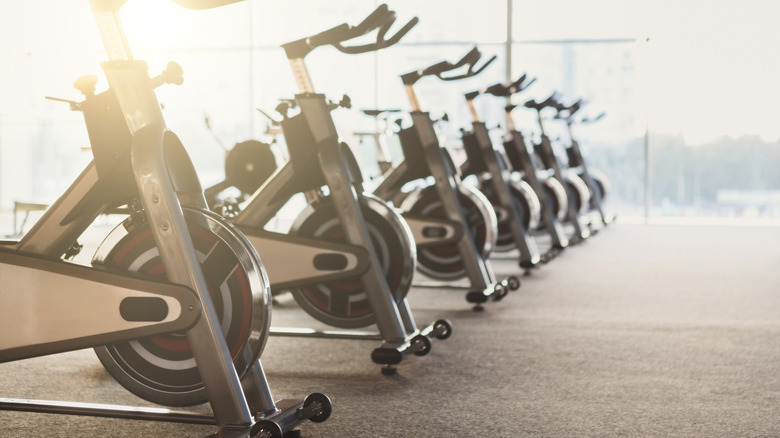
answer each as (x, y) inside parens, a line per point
(567, 112)
(593, 119)
(381, 19)
(569, 109)
(471, 59)
(551, 101)
(504, 89)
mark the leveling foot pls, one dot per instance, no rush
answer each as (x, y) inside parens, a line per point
(496, 292)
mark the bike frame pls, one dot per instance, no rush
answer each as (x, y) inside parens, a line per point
(484, 159)
(318, 159)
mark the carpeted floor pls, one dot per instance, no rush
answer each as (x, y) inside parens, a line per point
(643, 331)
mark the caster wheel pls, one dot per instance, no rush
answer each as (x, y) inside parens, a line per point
(267, 429)
(499, 292)
(325, 407)
(421, 345)
(513, 283)
(443, 328)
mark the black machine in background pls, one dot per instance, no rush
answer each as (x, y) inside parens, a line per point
(454, 225)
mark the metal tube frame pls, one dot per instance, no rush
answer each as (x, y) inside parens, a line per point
(529, 253)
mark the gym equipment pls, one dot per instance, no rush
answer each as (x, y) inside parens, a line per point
(597, 182)
(176, 303)
(453, 224)
(523, 160)
(379, 137)
(577, 191)
(248, 164)
(516, 204)
(348, 258)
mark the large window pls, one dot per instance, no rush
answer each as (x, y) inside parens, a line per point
(687, 88)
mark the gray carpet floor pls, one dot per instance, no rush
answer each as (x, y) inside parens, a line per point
(642, 331)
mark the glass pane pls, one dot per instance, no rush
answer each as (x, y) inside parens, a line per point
(454, 20)
(712, 86)
(607, 76)
(220, 95)
(162, 25)
(576, 19)
(276, 23)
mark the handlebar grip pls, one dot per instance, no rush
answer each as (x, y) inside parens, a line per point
(471, 71)
(576, 106)
(597, 118)
(330, 36)
(383, 24)
(437, 68)
(469, 58)
(498, 90)
(374, 20)
(549, 102)
(400, 34)
(517, 85)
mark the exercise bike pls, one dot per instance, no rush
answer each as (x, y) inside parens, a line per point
(378, 138)
(248, 164)
(597, 182)
(176, 303)
(525, 163)
(577, 191)
(348, 258)
(453, 224)
(516, 204)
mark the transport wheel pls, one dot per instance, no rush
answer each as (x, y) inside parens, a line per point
(444, 328)
(324, 405)
(527, 201)
(267, 429)
(443, 262)
(344, 303)
(423, 343)
(162, 369)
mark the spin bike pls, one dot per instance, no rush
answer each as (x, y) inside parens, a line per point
(379, 137)
(524, 162)
(176, 303)
(348, 258)
(596, 181)
(248, 164)
(577, 191)
(453, 224)
(517, 206)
